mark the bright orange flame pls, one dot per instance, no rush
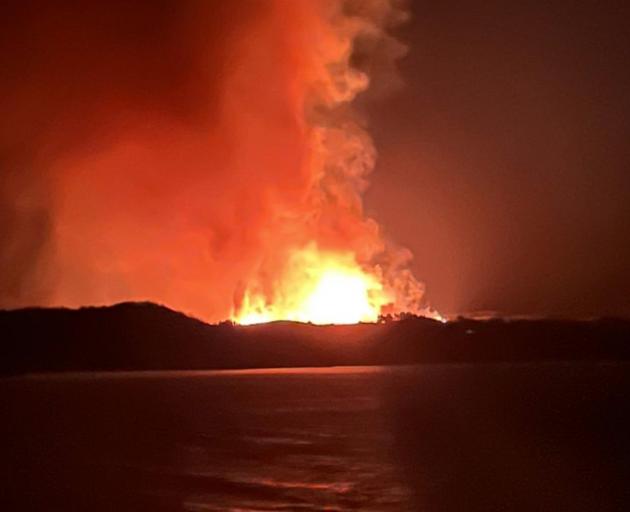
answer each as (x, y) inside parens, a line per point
(320, 288)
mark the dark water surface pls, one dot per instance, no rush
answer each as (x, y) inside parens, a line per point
(429, 438)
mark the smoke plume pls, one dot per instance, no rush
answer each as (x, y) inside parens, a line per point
(184, 151)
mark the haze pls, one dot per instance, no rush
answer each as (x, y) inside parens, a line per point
(504, 161)
(172, 151)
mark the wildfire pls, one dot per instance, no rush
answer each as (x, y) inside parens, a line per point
(236, 190)
(320, 288)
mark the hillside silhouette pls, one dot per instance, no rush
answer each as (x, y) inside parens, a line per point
(146, 336)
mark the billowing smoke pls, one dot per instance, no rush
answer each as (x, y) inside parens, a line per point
(184, 151)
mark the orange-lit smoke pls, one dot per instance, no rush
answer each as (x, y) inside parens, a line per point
(212, 163)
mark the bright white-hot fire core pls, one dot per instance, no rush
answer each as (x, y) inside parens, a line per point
(320, 288)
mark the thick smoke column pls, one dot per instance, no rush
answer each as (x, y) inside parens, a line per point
(189, 153)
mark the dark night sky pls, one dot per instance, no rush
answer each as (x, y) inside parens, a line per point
(504, 162)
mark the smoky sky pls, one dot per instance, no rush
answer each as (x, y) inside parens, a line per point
(111, 112)
(504, 161)
(167, 131)
(184, 152)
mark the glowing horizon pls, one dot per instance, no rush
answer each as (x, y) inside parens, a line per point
(319, 288)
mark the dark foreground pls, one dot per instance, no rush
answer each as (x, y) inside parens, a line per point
(486, 437)
(145, 336)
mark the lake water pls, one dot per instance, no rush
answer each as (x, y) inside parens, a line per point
(428, 438)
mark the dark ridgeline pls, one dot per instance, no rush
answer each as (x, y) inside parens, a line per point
(144, 336)
(439, 438)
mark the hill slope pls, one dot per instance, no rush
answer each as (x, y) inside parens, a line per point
(145, 336)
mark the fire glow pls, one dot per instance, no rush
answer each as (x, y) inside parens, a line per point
(320, 288)
(233, 189)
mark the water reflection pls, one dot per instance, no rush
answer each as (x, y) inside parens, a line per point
(424, 438)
